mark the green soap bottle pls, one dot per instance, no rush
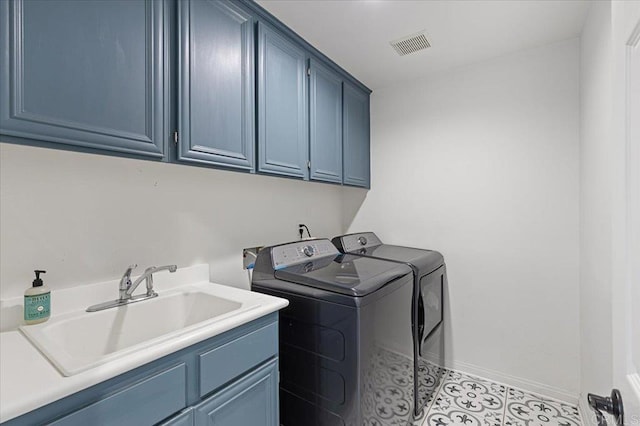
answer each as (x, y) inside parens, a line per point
(37, 301)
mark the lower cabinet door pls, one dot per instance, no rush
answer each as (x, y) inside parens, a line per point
(251, 400)
(147, 402)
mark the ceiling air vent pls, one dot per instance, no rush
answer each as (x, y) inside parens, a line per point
(410, 44)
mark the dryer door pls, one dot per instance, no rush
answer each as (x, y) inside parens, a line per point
(429, 335)
(430, 304)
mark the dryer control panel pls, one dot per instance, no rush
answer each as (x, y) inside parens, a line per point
(354, 242)
(301, 252)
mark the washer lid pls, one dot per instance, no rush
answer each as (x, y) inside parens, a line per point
(345, 274)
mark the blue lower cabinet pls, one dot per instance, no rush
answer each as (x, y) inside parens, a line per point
(185, 388)
(147, 402)
(252, 400)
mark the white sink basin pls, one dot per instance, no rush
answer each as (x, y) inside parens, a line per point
(77, 341)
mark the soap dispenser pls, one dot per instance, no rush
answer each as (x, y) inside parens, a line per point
(37, 301)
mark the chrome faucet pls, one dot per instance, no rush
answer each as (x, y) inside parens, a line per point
(126, 287)
(148, 276)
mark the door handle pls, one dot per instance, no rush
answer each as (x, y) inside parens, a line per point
(609, 404)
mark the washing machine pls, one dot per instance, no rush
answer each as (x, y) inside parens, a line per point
(346, 341)
(430, 280)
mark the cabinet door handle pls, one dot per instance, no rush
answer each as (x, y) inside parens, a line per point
(609, 404)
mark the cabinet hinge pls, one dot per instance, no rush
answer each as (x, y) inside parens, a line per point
(309, 165)
(175, 137)
(309, 71)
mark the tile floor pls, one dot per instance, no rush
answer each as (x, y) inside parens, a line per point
(457, 399)
(466, 400)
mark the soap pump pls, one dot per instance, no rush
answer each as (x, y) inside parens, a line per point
(37, 301)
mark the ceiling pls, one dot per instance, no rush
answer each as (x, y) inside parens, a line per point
(356, 34)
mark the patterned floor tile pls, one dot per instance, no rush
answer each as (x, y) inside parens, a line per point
(474, 394)
(526, 409)
(432, 377)
(464, 399)
(388, 390)
(467, 400)
(453, 417)
(487, 393)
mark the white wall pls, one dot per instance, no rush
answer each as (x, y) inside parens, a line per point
(482, 164)
(595, 202)
(85, 217)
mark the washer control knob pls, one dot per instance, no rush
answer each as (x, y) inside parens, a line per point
(308, 251)
(362, 241)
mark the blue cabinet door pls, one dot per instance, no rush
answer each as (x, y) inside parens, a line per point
(84, 73)
(283, 147)
(216, 88)
(147, 402)
(325, 123)
(252, 400)
(356, 136)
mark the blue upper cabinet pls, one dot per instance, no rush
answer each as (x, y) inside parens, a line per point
(84, 73)
(325, 123)
(223, 79)
(283, 146)
(216, 89)
(356, 136)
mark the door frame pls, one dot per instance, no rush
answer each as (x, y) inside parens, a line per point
(625, 208)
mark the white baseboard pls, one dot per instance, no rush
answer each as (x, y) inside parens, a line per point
(516, 382)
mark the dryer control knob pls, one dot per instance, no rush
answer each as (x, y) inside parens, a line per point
(308, 251)
(362, 241)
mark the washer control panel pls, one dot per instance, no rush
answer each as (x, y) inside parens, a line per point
(300, 252)
(354, 242)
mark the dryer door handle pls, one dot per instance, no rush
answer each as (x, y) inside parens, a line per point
(420, 323)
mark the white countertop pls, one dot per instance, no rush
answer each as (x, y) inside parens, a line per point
(29, 381)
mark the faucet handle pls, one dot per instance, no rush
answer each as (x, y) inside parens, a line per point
(127, 272)
(125, 281)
